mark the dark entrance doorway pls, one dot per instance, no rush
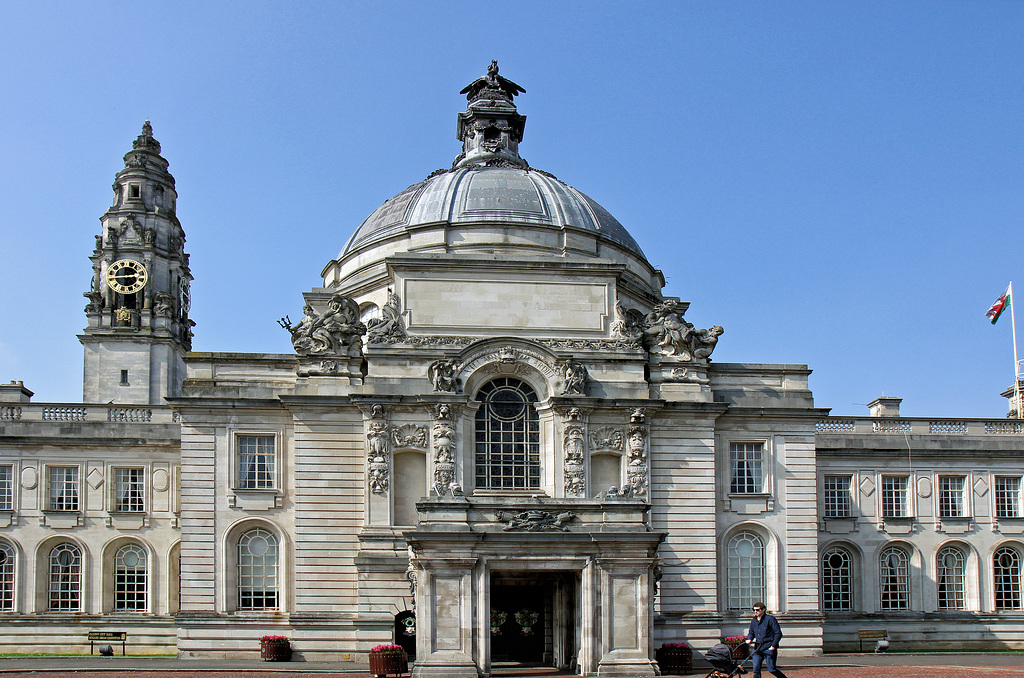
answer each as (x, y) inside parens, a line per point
(532, 618)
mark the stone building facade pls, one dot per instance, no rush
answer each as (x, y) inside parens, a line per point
(496, 440)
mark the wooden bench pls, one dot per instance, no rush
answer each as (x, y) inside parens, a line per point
(871, 634)
(108, 636)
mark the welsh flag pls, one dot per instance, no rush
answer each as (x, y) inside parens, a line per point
(998, 307)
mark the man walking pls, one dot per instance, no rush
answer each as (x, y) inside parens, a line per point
(764, 634)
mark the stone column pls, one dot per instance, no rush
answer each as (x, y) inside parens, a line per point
(625, 617)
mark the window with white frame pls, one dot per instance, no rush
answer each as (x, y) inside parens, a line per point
(257, 570)
(952, 502)
(950, 576)
(1008, 497)
(65, 584)
(894, 579)
(837, 497)
(745, 570)
(8, 559)
(836, 579)
(129, 489)
(131, 579)
(894, 496)
(745, 468)
(1006, 572)
(6, 487)
(63, 488)
(507, 430)
(256, 462)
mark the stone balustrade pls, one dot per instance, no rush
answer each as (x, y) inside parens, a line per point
(912, 426)
(63, 412)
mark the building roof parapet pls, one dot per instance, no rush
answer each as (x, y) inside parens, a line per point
(919, 426)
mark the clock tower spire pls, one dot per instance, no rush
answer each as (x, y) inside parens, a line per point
(138, 328)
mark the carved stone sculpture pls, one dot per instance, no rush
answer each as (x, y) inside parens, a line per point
(162, 305)
(443, 435)
(606, 438)
(336, 332)
(409, 435)
(389, 328)
(574, 378)
(378, 453)
(535, 521)
(573, 444)
(667, 333)
(442, 375)
(636, 456)
(626, 328)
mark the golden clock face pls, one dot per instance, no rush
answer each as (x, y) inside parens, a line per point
(126, 276)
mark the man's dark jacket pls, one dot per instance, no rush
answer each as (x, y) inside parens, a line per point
(766, 632)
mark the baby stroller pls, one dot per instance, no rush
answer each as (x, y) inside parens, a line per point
(727, 661)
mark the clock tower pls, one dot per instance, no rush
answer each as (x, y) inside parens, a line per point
(138, 326)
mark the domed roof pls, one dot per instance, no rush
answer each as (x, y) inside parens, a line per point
(484, 196)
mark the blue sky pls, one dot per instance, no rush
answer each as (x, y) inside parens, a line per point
(838, 184)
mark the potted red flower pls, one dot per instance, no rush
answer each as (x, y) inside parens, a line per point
(739, 646)
(387, 659)
(275, 649)
(674, 658)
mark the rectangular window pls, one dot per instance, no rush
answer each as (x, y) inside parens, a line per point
(951, 497)
(838, 502)
(6, 487)
(129, 489)
(255, 462)
(894, 496)
(745, 466)
(63, 488)
(1008, 498)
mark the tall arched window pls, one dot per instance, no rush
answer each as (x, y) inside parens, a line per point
(745, 570)
(1006, 570)
(950, 570)
(507, 436)
(836, 579)
(65, 586)
(7, 562)
(257, 570)
(131, 579)
(894, 579)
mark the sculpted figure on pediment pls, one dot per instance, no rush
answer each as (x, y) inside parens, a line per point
(336, 332)
(574, 378)
(442, 375)
(389, 328)
(665, 331)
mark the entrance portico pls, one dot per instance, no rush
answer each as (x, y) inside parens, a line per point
(584, 568)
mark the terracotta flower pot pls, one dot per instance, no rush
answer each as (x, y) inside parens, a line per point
(386, 664)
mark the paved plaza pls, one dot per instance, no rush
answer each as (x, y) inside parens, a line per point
(945, 665)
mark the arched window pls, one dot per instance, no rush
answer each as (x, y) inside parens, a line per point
(745, 570)
(836, 579)
(1006, 569)
(131, 579)
(894, 579)
(7, 562)
(257, 570)
(950, 576)
(507, 436)
(65, 587)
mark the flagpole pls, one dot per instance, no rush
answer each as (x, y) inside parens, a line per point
(1016, 363)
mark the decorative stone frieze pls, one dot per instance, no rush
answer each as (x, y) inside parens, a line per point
(535, 521)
